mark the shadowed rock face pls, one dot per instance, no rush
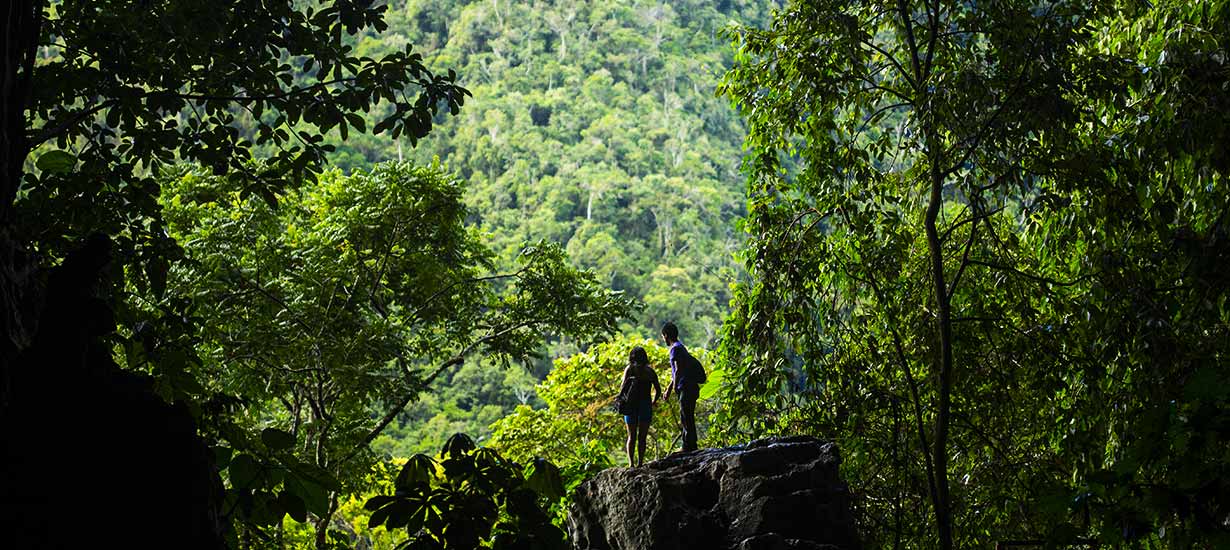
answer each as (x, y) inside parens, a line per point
(770, 494)
(90, 456)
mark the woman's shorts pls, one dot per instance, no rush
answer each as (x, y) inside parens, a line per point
(642, 415)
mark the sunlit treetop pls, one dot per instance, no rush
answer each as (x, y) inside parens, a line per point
(108, 91)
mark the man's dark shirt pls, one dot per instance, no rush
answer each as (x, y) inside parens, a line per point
(677, 351)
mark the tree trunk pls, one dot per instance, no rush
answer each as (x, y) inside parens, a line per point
(322, 524)
(935, 171)
(18, 311)
(943, 511)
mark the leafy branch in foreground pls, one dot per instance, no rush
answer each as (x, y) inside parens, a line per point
(979, 241)
(325, 317)
(472, 497)
(101, 96)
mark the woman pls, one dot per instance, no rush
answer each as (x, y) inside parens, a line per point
(636, 384)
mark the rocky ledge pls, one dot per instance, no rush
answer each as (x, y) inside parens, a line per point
(770, 494)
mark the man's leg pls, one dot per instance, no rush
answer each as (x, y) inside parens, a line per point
(687, 417)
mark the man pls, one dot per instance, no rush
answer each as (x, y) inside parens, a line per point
(689, 390)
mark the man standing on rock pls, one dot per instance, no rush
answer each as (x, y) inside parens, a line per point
(684, 381)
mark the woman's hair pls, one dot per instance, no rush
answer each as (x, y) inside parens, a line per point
(638, 357)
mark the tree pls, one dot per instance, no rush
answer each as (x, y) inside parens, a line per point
(913, 165)
(471, 497)
(325, 317)
(100, 95)
(596, 115)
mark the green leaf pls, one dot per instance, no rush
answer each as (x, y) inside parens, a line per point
(399, 513)
(267, 509)
(376, 502)
(56, 161)
(156, 270)
(315, 498)
(457, 445)
(134, 354)
(222, 456)
(394, 514)
(294, 506)
(244, 470)
(316, 474)
(416, 473)
(276, 439)
(544, 478)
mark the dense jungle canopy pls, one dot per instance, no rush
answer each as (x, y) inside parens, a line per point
(378, 265)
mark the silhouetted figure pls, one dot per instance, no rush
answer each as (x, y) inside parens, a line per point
(91, 456)
(639, 379)
(684, 383)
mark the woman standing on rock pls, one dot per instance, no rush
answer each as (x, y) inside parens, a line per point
(634, 389)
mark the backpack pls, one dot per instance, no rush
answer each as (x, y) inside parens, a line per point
(691, 368)
(625, 401)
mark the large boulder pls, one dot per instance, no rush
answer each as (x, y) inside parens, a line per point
(770, 494)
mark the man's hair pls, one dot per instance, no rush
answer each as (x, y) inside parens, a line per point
(670, 331)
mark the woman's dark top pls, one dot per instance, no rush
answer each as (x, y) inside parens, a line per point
(646, 379)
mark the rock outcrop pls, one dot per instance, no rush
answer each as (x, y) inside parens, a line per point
(770, 494)
(90, 455)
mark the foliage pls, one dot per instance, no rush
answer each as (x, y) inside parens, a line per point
(579, 426)
(117, 90)
(465, 400)
(579, 429)
(319, 321)
(470, 498)
(593, 125)
(973, 228)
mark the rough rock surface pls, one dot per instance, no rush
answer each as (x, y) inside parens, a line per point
(90, 455)
(770, 494)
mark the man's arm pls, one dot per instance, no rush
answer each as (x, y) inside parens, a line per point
(671, 363)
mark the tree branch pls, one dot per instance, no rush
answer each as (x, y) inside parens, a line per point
(46, 134)
(1030, 276)
(900, 68)
(409, 396)
(956, 279)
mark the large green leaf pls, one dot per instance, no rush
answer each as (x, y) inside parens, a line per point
(277, 440)
(56, 161)
(458, 445)
(415, 474)
(244, 471)
(544, 478)
(294, 506)
(314, 497)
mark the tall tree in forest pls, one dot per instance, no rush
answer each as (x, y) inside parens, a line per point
(98, 95)
(95, 99)
(916, 170)
(327, 316)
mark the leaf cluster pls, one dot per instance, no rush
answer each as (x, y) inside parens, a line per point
(471, 497)
(1075, 211)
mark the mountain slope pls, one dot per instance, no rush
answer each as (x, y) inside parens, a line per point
(593, 124)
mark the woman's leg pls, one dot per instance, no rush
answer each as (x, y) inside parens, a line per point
(642, 436)
(630, 447)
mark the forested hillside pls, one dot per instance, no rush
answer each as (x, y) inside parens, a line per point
(263, 265)
(594, 125)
